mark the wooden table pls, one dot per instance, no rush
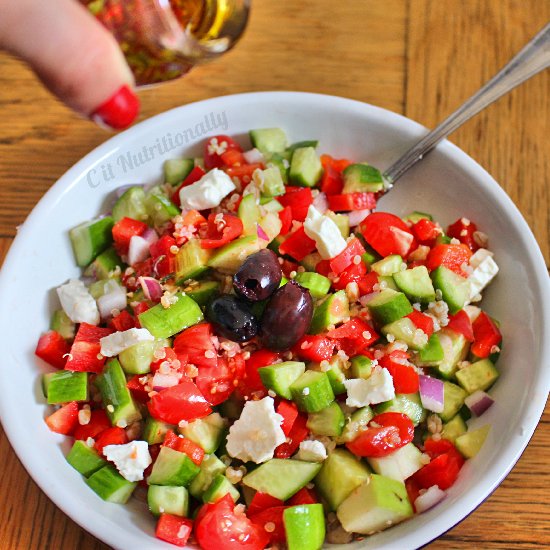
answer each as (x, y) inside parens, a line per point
(421, 58)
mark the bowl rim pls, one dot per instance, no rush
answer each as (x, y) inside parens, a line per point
(534, 408)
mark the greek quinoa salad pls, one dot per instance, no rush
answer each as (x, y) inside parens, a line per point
(266, 360)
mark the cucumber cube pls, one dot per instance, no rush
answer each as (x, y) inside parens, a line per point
(160, 208)
(312, 392)
(304, 526)
(318, 285)
(210, 467)
(453, 399)
(470, 443)
(65, 385)
(131, 204)
(176, 170)
(330, 421)
(362, 178)
(399, 465)
(408, 404)
(220, 487)
(62, 324)
(405, 330)
(361, 366)
(191, 261)
(480, 375)
(357, 423)
(331, 311)
(416, 284)
(249, 214)
(163, 499)
(173, 468)
(104, 264)
(137, 359)
(454, 288)
(84, 459)
(272, 183)
(110, 485)
(389, 306)
(454, 428)
(91, 238)
(280, 376)
(432, 353)
(230, 257)
(305, 167)
(154, 430)
(208, 432)
(389, 265)
(204, 292)
(269, 140)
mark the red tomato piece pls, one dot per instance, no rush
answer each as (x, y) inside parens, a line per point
(285, 215)
(99, 422)
(273, 519)
(261, 501)
(405, 377)
(303, 496)
(422, 321)
(352, 201)
(354, 273)
(347, 257)
(338, 164)
(64, 420)
(243, 173)
(220, 232)
(354, 337)
(386, 433)
(123, 321)
(174, 529)
(486, 336)
(297, 434)
(111, 436)
(434, 447)
(463, 230)
(332, 181)
(323, 267)
(289, 411)
(251, 381)
(452, 256)
(53, 349)
(196, 342)
(177, 403)
(124, 230)
(299, 200)
(215, 147)
(387, 234)
(314, 348)
(86, 349)
(218, 383)
(426, 231)
(136, 387)
(218, 526)
(183, 445)
(233, 157)
(163, 258)
(297, 245)
(441, 471)
(460, 322)
(169, 355)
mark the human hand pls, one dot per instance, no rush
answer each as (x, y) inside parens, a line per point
(74, 55)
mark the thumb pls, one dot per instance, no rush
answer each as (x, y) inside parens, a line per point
(74, 55)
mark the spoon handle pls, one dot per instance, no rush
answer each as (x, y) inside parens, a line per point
(533, 58)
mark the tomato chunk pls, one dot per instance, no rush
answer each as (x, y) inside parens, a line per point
(85, 353)
(289, 411)
(460, 322)
(274, 517)
(99, 422)
(387, 234)
(53, 349)
(183, 445)
(222, 229)
(405, 376)
(124, 230)
(298, 199)
(261, 501)
(486, 336)
(298, 245)
(352, 201)
(422, 321)
(451, 256)
(111, 436)
(353, 249)
(463, 230)
(197, 344)
(174, 529)
(296, 435)
(64, 420)
(314, 348)
(215, 148)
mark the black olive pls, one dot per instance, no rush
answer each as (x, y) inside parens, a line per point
(259, 276)
(232, 318)
(287, 317)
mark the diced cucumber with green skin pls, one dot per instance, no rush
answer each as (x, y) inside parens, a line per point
(117, 398)
(455, 348)
(465, 413)
(331, 311)
(131, 204)
(164, 322)
(272, 182)
(358, 422)
(268, 140)
(375, 506)
(160, 208)
(433, 352)
(405, 330)
(154, 431)
(62, 324)
(271, 205)
(176, 170)
(305, 167)
(389, 265)
(109, 485)
(173, 468)
(416, 284)
(208, 432)
(341, 221)
(341, 473)
(480, 375)
(454, 428)
(282, 477)
(362, 178)
(163, 499)
(387, 281)
(275, 244)
(104, 265)
(361, 367)
(230, 257)
(278, 161)
(301, 144)
(249, 214)
(408, 404)
(137, 359)
(455, 289)
(279, 377)
(470, 443)
(84, 459)
(318, 285)
(220, 487)
(335, 373)
(304, 526)
(210, 467)
(416, 216)
(91, 238)
(399, 465)
(330, 421)
(312, 392)
(370, 255)
(191, 261)
(204, 292)
(453, 399)
(65, 385)
(389, 306)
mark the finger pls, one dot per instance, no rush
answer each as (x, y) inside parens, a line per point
(74, 55)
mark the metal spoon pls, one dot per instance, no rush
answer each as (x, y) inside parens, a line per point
(533, 58)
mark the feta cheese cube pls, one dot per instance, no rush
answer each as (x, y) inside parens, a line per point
(482, 275)
(115, 343)
(78, 303)
(257, 433)
(325, 233)
(208, 192)
(312, 451)
(375, 389)
(478, 256)
(130, 459)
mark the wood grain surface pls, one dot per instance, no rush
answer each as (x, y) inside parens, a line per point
(421, 58)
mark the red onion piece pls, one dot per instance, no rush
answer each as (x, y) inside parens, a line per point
(262, 234)
(357, 216)
(138, 251)
(431, 393)
(321, 203)
(429, 499)
(478, 402)
(253, 156)
(150, 235)
(151, 288)
(113, 299)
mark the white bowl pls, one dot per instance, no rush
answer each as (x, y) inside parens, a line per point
(447, 183)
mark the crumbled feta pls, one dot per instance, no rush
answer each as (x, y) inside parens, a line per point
(478, 256)
(208, 192)
(312, 451)
(115, 343)
(375, 389)
(325, 233)
(78, 303)
(130, 459)
(482, 275)
(257, 433)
